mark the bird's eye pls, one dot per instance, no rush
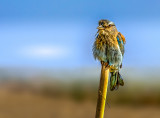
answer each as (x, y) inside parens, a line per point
(109, 25)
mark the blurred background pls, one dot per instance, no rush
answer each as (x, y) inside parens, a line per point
(46, 65)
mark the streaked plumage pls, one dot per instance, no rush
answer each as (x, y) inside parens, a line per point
(109, 48)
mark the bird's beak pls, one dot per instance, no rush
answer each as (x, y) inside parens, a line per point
(100, 27)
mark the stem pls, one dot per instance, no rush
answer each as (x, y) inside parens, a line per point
(102, 92)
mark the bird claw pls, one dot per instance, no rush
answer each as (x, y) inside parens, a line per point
(107, 66)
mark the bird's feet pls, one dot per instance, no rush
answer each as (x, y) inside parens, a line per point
(107, 66)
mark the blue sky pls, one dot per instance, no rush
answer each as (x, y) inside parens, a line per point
(50, 33)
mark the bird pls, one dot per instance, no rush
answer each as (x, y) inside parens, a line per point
(108, 48)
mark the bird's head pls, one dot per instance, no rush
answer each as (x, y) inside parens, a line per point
(105, 25)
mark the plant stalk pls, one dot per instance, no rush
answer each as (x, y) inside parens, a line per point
(102, 92)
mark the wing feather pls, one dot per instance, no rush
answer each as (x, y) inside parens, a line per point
(121, 42)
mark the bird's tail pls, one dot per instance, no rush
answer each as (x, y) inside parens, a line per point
(115, 80)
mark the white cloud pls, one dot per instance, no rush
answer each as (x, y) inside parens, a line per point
(45, 52)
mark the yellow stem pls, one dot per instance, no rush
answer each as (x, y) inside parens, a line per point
(102, 92)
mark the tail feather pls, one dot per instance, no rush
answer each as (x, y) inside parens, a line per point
(120, 80)
(115, 80)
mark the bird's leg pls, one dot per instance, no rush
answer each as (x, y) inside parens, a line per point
(107, 66)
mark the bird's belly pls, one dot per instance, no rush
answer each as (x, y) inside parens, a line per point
(102, 56)
(100, 53)
(114, 56)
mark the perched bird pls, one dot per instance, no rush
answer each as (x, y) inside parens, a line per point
(108, 48)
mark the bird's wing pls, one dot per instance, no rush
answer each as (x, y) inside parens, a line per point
(121, 42)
